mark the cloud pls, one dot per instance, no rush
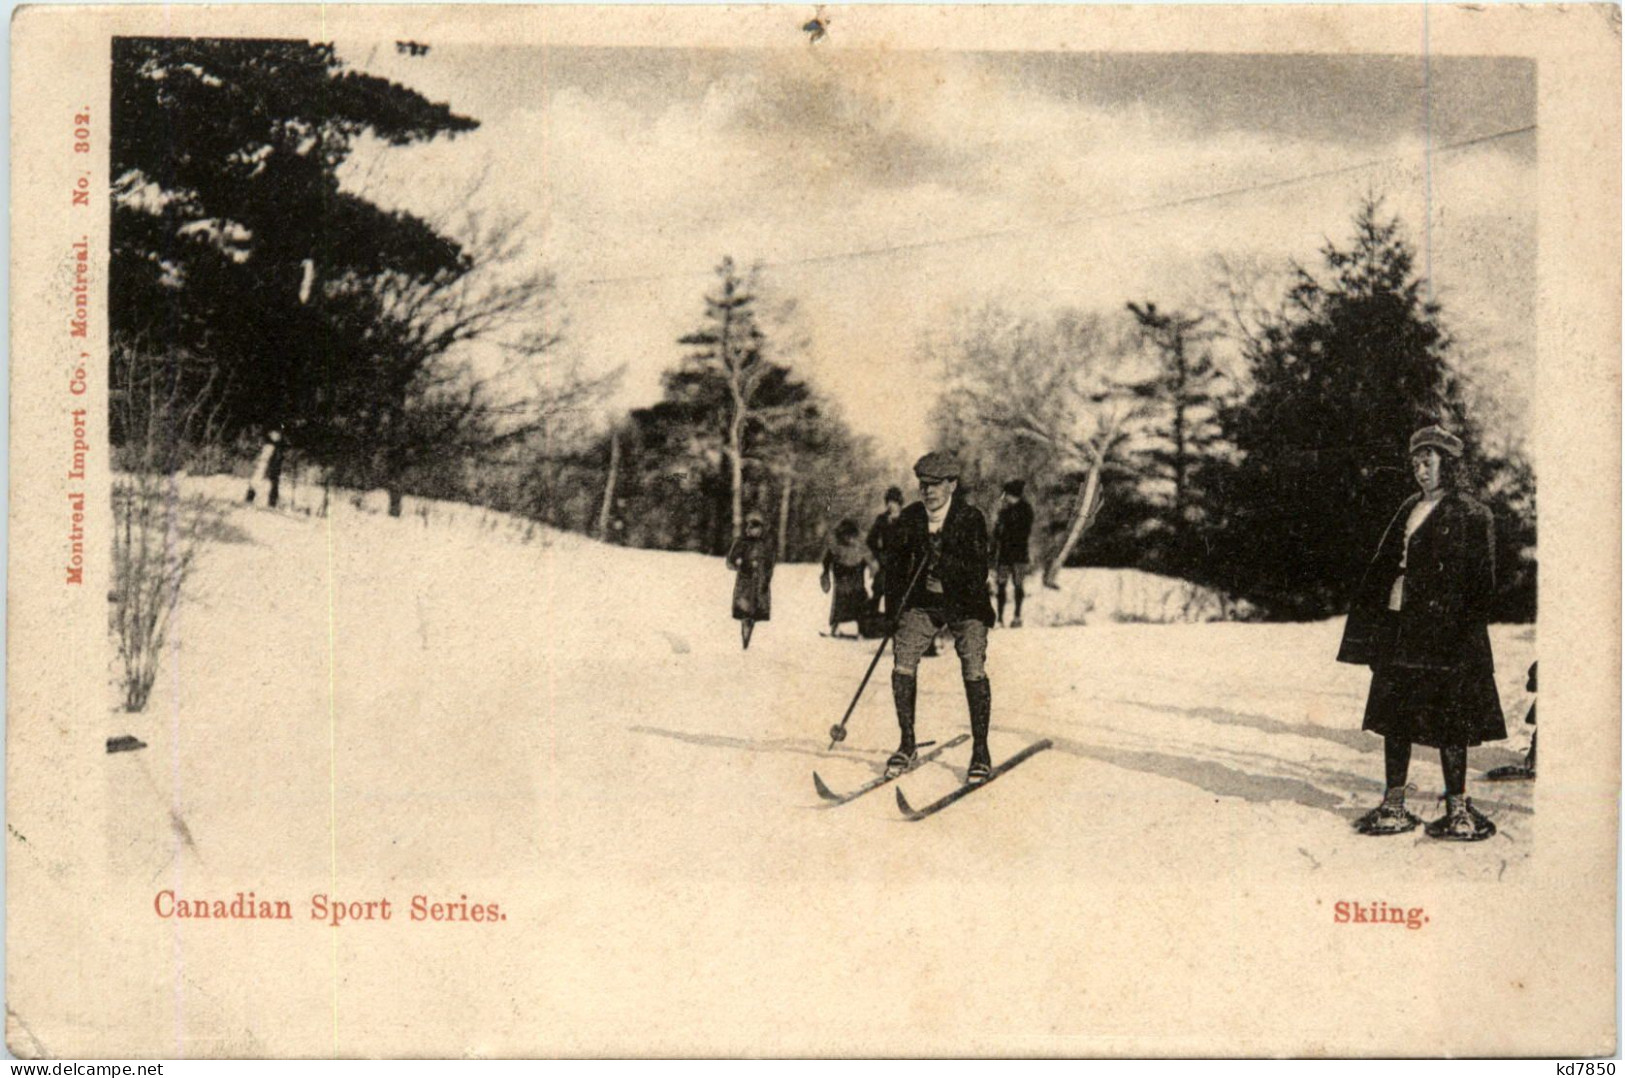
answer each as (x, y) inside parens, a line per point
(885, 189)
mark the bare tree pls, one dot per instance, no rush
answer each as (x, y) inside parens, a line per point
(607, 506)
(165, 410)
(729, 378)
(456, 365)
(1053, 385)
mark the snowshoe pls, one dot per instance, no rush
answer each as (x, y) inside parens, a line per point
(900, 762)
(1461, 823)
(1387, 819)
(1390, 817)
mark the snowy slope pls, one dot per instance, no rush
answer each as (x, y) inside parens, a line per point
(575, 727)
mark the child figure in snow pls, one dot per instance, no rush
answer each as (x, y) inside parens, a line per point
(751, 557)
(844, 565)
(1420, 621)
(944, 557)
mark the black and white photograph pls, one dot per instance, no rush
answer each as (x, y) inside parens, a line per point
(814, 532)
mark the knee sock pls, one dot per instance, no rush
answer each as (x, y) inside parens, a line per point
(1396, 755)
(979, 697)
(902, 693)
(1454, 762)
(1019, 597)
(1001, 602)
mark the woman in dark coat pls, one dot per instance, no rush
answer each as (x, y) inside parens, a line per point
(752, 558)
(1420, 621)
(844, 563)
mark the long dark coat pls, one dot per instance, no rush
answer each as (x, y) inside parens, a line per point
(963, 565)
(752, 558)
(843, 565)
(1012, 533)
(1433, 673)
(885, 537)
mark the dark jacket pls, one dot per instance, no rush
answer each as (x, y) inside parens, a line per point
(752, 559)
(1012, 533)
(962, 565)
(1449, 586)
(885, 538)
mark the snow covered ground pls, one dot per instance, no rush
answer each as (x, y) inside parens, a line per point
(374, 705)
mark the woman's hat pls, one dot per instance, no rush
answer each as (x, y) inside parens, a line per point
(894, 494)
(1439, 439)
(1015, 488)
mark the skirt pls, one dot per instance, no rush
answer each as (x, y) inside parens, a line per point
(1437, 708)
(753, 596)
(849, 602)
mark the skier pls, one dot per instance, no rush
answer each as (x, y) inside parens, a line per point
(1419, 620)
(752, 558)
(844, 564)
(944, 557)
(1011, 533)
(884, 537)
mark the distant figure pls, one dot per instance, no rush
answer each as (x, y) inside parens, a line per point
(752, 558)
(885, 539)
(1524, 772)
(1011, 535)
(1419, 619)
(844, 564)
(268, 470)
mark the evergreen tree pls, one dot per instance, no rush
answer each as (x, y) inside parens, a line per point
(1339, 381)
(1182, 429)
(227, 210)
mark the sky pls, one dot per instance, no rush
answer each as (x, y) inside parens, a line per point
(885, 191)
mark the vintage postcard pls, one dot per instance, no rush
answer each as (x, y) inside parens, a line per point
(827, 531)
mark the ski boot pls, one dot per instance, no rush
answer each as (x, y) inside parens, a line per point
(1461, 822)
(1390, 817)
(979, 695)
(903, 689)
(1015, 623)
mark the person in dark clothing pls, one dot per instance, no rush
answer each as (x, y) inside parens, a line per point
(752, 559)
(267, 470)
(844, 565)
(942, 585)
(273, 468)
(1011, 535)
(1524, 772)
(884, 538)
(1419, 619)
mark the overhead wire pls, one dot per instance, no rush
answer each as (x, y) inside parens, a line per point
(1008, 233)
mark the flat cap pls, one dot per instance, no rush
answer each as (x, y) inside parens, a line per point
(1438, 438)
(937, 466)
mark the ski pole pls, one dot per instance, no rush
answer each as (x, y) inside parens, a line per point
(837, 733)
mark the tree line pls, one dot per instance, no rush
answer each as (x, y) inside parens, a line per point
(252, 290)
(1270, 481)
